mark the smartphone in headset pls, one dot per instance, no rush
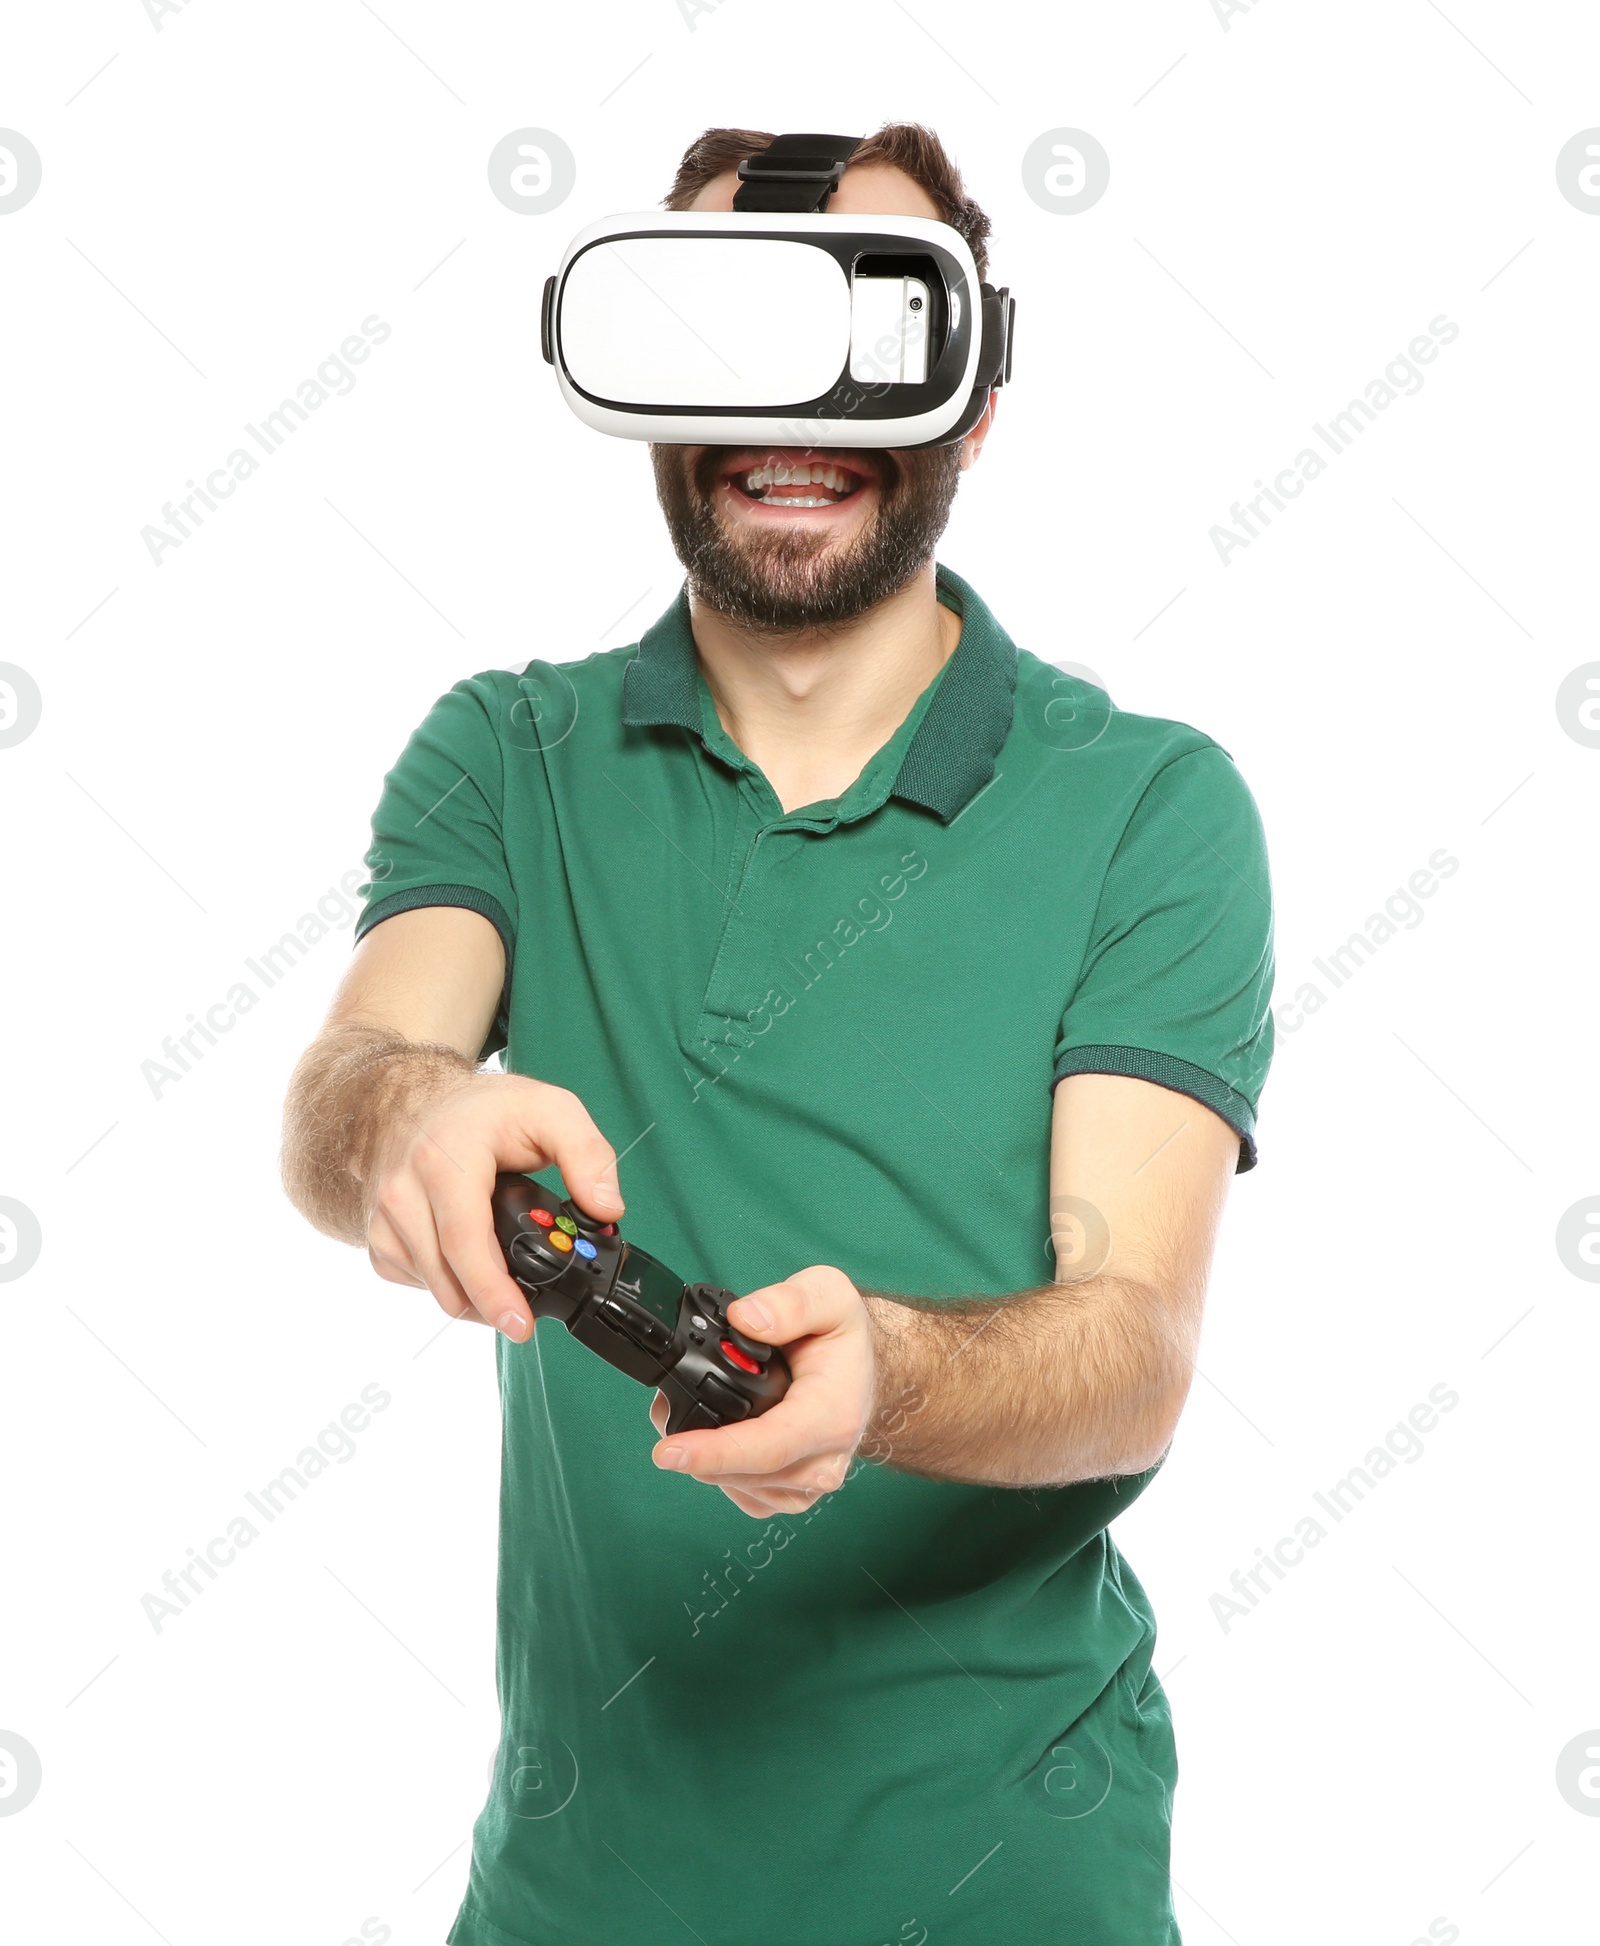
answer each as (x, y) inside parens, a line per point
(889, 330)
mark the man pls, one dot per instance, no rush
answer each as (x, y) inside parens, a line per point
(883, 955)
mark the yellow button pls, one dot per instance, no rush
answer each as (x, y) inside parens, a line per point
(559, 1240)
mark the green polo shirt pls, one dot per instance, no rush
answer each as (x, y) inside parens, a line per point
(827, 1036)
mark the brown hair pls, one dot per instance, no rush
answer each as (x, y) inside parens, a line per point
(906, 146)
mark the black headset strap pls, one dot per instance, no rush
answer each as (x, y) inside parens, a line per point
(794, 175)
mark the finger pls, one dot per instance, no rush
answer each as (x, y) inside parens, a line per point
(760, 1506)
(807, 1422)
(401, 1239)
(454, 1303)
(558, 1128)
(405, 1214)
(818, 1473)
(661, 1412)
(802, 1306)
(388, 1254)
(800, 1485)
(808, 1479)
(459, 1196)
(387, 1259)
(826, 1473)
(757, 1508)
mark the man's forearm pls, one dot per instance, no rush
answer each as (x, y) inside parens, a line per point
(1071, 1382)
(352, 1086)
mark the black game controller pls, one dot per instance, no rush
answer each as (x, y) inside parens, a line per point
(627, 1306)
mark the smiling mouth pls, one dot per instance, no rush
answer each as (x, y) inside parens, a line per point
(794, 481)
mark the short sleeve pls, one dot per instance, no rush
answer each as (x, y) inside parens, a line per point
(1176, 983)
(437, 834)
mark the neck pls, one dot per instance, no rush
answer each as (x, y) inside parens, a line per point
(812, 708)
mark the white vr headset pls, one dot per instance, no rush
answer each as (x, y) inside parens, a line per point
(778, 322)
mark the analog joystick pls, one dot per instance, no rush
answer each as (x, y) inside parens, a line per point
(589, 1226)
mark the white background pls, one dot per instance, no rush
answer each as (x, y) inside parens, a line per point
(1373, 1747)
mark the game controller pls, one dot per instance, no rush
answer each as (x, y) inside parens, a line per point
(627, 1306)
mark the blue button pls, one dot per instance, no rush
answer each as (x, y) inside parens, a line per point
(584, 1247)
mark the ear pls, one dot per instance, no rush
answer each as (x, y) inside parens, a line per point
(972, 445)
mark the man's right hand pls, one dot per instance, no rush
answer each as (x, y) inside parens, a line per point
(392, 1138)
(431, 1222)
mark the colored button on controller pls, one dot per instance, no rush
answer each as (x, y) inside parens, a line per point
(735, 1356)
(566, 1223)
(558, 1240)
(585, 1248)
(542, 1217)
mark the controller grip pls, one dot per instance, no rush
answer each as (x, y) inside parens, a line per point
(685, 1413)
(717, 1376)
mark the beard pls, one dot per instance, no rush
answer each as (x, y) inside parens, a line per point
(778, 582)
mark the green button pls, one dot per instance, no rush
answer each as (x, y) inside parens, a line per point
(566, 1223)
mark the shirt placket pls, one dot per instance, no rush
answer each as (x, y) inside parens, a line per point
(741, 969)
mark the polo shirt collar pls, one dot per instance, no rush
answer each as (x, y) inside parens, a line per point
(951, 757)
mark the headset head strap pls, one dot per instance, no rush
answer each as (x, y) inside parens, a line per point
(794, 175)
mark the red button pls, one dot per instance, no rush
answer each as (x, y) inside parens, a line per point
(542, 1217)
(735, 1356)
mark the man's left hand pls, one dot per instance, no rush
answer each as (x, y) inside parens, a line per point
(784, 1460)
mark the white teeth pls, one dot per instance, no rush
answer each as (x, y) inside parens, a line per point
(800, 474)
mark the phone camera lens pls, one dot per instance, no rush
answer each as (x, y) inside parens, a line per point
(916, 304)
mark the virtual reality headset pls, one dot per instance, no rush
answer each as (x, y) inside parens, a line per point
(778, 322)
